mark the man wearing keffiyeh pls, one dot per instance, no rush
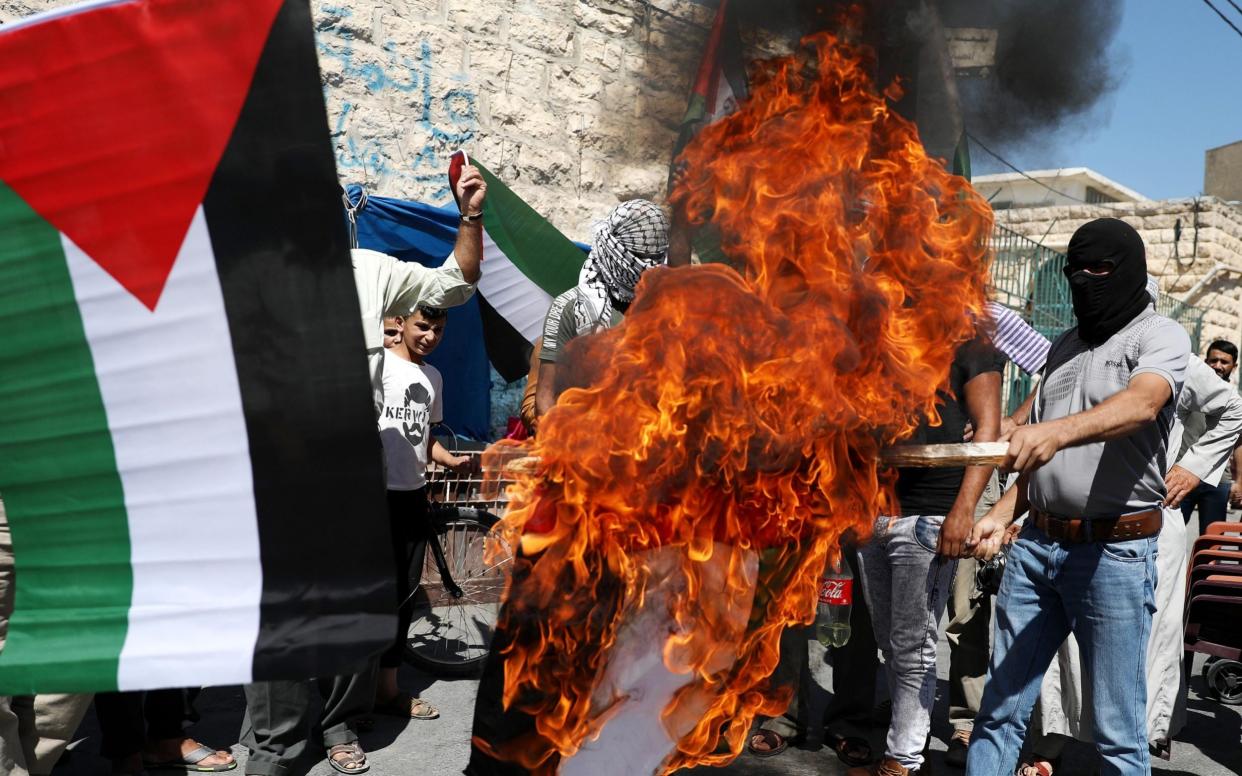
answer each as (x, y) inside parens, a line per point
(630, 241)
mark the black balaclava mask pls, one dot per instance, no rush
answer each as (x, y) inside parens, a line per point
(1104, 304)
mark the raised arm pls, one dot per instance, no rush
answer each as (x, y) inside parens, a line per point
(471, 192)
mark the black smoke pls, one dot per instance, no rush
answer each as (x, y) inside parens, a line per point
(1055, 59)
(1054, 64)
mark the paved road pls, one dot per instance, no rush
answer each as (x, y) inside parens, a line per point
(1209, 746)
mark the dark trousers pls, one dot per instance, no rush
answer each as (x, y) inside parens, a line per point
(852, 709)
(1213, 503)
(127, 720)
(407, 519)
(277, 724)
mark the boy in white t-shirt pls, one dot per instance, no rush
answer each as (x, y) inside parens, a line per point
(412, 403)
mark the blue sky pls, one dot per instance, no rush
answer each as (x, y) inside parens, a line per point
(1180, 94)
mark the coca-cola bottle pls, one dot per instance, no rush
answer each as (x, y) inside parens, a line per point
(836, 598)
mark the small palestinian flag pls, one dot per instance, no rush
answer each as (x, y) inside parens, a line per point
(528, 262)
(188, 454)
(721, 81)
(718, 89)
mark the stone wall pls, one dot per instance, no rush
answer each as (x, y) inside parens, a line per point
(574, 103)
(1203, 267)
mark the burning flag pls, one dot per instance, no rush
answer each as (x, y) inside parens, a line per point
(691, 487)
(186, 424)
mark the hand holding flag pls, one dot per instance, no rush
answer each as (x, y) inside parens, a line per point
(469, 188)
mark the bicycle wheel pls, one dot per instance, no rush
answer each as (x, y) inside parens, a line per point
(450, 635)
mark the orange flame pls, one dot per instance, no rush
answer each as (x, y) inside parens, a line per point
(735, 415)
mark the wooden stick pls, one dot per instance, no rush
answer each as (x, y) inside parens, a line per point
(922, 456)
(946, 455)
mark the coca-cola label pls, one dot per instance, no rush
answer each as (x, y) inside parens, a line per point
(836, 592)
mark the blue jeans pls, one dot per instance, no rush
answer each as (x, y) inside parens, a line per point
(1102, 592)
(907, 588)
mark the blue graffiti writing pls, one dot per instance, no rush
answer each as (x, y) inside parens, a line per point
(439, 120)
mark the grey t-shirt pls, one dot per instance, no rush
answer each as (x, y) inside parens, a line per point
(1121, 476)
(561, 324)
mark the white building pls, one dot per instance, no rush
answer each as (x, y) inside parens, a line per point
(1051, 188)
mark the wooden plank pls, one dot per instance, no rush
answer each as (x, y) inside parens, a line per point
(923, 456)
(946, 455)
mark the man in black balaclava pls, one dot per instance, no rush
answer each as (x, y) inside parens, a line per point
(1107, 270)
(1092, 464)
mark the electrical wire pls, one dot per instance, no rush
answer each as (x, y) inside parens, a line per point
(1236, 7)
(1006, 162)
(1224, 18)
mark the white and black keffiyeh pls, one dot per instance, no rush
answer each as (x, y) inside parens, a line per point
(630, 241)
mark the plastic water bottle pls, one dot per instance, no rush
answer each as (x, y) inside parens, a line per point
(836, 598)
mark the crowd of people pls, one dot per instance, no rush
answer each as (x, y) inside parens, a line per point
(1076, 635)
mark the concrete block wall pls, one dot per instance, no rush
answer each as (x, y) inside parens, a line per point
(1206, 274)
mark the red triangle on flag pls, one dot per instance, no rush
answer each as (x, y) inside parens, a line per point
(113, 119)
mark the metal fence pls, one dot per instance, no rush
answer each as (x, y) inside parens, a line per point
(1027, 277)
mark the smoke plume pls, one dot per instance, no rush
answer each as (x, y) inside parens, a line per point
(1054, 59)
(1053, 66)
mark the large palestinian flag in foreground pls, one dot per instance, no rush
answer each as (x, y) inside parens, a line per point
(188, 457)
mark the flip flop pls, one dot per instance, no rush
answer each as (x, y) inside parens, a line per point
(190, 762)
(847, 747)
(774, 740)
(406, 706)
(355, 756)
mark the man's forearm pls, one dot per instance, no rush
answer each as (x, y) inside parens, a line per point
(982, 394)
(1022, 415)
(974, 482)
(469, 249)
(1117, 417)
(1013, 504)
(440, 455)
(545, 390)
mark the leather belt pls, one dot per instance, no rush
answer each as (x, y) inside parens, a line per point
(1139, 525)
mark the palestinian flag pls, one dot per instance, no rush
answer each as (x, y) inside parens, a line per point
(718, 89)
(721, 81)
(527, 262)
(188, 455)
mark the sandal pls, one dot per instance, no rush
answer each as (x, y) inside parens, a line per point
(1034, 767)
(774, 741)
(406, 706)
(354, 761)
(851, 750)
(191, 762)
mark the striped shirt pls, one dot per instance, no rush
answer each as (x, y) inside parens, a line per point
(1017, 340)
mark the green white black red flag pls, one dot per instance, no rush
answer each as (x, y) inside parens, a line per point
(188, 456)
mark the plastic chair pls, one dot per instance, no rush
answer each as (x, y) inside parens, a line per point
(1222, 528)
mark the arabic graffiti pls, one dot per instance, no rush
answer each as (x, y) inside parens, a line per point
(437, 111)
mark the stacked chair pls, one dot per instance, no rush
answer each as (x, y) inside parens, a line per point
(1214, 609)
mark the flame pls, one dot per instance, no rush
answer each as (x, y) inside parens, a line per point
(738, 416)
